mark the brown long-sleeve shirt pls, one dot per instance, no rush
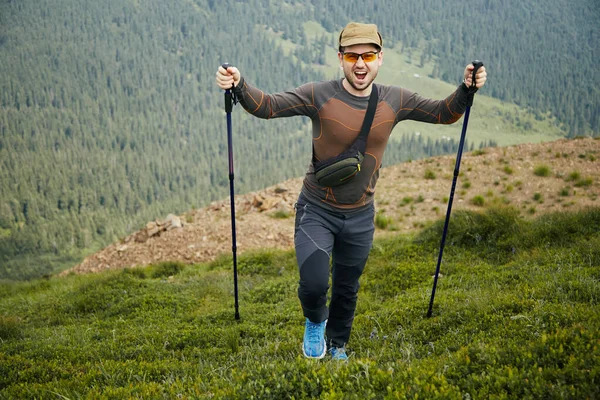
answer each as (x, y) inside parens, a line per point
(337, 117)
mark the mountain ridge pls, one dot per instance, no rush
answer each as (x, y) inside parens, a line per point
(533, 178)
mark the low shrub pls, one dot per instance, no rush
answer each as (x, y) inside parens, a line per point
(10, 327)
(478, 201)
(584, 182)
(382, 221)
(573, 176)
(166, 269)
(542, 170)
(491, 232)
(429, 174)
(562, 228)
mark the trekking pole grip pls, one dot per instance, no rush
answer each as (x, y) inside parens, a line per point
(228, 96)
(476, 64)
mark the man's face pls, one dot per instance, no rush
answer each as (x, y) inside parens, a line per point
(360, 74)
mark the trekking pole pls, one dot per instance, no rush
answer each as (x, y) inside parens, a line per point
(229, 101)
(477, 65)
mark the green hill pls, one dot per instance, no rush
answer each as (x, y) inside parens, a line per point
(109, 115)
(516, 316)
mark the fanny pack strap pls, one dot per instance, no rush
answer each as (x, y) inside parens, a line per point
(361, 141)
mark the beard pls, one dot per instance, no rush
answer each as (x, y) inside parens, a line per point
(357, 81)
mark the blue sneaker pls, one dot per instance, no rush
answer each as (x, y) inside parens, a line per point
(338, 353)
(314, 339)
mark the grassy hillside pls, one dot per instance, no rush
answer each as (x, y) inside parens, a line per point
(516, 316)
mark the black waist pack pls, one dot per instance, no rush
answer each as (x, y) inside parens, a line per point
(342, 168)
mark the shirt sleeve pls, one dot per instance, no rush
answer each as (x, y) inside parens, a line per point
(299, 101)
(418, 108)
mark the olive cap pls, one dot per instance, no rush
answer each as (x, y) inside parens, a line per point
(358, 33)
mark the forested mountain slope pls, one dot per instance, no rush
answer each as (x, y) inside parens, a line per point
(109, 115)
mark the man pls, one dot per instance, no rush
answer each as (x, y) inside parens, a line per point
(337, 222)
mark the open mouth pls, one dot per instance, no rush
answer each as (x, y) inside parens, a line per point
(360, 75)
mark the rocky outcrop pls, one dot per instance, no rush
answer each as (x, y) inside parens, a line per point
(154, 228)
(262, 220)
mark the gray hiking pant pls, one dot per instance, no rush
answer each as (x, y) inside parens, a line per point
(346, 239)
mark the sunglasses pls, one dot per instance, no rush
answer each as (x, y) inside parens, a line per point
(369, 56)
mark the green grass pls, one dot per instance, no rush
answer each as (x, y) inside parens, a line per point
(281, 214)
(429, 174)
(478, 200)
(584, 182)
(382, 221)
(516, 316)
(542, 170)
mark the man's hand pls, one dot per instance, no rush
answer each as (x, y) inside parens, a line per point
(480, 77)
(226, 78)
